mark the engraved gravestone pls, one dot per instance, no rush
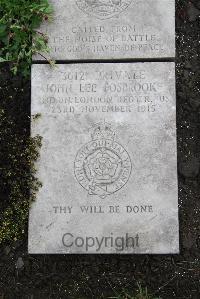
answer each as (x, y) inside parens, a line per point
(108, 160)
(111, 29)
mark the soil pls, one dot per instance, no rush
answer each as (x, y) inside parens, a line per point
(24, 276)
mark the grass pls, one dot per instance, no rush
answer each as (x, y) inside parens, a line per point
(141, 293)
(18, 184)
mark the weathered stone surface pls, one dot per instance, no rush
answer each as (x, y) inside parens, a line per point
(111, 29)
(108, 161)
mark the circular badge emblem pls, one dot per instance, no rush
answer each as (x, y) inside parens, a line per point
(102, 166)
(103, 9)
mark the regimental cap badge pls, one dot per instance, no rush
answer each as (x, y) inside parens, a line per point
(103, 9)
(102, 166)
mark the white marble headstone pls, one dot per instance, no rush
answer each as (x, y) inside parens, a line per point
(108, 161)
(111, 29)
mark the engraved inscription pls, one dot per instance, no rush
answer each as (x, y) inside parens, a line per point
(103, 9)
(110, 29)
(102, 166)
(105, 92)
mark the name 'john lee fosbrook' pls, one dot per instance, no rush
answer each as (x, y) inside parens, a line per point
(135, 83)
